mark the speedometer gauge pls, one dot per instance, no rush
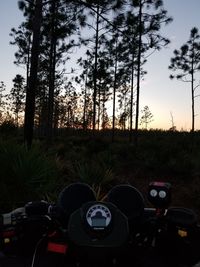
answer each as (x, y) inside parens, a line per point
(98, 217)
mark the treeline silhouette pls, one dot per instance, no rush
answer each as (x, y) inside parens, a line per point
(115, 38)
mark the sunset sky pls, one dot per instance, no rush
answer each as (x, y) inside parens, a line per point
(163, 96)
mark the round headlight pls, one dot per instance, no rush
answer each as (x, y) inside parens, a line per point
(153, 193)
(162, 194)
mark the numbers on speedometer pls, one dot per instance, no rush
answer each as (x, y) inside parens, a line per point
(98, 217)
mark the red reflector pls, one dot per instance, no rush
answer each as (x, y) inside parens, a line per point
(58, 248)
(158, 183)
(10, 233)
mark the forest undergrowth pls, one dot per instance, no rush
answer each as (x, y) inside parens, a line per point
(43, 171)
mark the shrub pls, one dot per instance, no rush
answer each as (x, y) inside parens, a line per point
(24, 175)
(94, 172)
(8, 128)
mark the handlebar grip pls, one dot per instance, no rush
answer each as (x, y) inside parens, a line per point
(13, 217)
(31, 209)
(7, 219)
(37, 208)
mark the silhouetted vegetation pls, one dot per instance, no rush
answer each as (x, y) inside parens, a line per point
(186, 63)
(43, 171)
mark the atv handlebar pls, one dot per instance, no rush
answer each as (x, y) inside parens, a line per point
(77, 225)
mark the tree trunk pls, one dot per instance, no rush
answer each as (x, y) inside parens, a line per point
(114, 95)
(28, 62)
(85, 104)
(192, 89)
(32, 84)
(52, 63)
(138, 73)
(95, 69)
(99, 108)
(131, 103)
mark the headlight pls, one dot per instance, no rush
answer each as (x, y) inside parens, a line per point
(159, 194)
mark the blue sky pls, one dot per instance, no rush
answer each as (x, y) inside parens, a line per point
(10, 16)
(162, 95)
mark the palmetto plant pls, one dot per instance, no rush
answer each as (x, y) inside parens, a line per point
(25, 175)
(94, 172)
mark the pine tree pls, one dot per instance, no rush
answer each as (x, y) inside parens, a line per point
(186, 62)
(17, 96)
(2, 89)
(147, 117)
(32, 83)
(101, 11)
(150, 16)
(49, 46)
